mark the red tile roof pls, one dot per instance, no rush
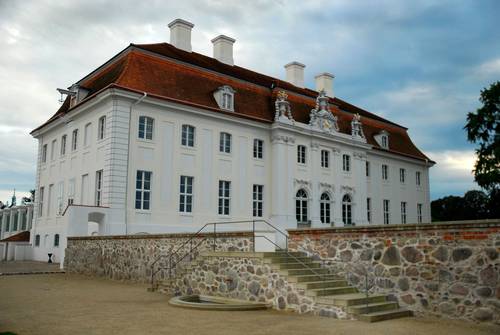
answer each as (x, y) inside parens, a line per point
(166, 72)
(21, 237)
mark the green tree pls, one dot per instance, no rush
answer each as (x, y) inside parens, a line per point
(483, 128)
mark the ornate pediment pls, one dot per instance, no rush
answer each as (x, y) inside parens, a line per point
(302, 182)
(347, 189)
(321, 118)
(283, 110)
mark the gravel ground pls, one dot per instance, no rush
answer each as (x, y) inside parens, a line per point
(67, 304)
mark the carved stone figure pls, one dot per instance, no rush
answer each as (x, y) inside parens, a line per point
(283, 109)
(357, 127)
(321, 118)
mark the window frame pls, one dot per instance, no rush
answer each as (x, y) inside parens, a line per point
(346, 163)
(37, 240)
(87, 134)
(325, 208)
(419, 213)
(347, 210)
(257, 200)
(101, 128)
(56, 240)
(186, 194)
(367, 169)
(62, 149)
(53, 146)
(403, 212)
(386, 210)
(325, 159)
(74, 140)
(258, 148)
(225, 143)
(418, 176)
(148, 124)
(44, 153)
(385, 172)
(142, 190)
(369, 209)
(40, 201)
(98, 188)
(302, 207)
(301, 154)
(402, 175)
(188, 136)
(224, 198)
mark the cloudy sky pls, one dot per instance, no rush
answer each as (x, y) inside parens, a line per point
(421, 64)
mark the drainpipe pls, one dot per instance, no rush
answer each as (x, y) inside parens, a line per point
(132, 105)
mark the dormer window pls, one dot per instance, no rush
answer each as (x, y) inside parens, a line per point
(382, 139)
(224, 96)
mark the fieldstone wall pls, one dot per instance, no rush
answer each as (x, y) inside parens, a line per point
(246, 276)
(447, 269)
(130, 257)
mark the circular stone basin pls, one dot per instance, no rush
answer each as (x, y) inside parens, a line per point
(216, 303)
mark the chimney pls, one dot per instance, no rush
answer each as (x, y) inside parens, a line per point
(295, 73)
(180, 34)
(223, 49)
(324, 81)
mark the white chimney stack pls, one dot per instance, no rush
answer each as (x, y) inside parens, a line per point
(223, 49)
(295, 73)
(180, 34)
(324, 81)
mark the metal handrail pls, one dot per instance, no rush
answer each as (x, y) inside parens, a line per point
(198, 233)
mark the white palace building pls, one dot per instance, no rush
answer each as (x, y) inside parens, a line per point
(164, 139)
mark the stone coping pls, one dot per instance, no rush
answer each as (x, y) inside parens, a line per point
(235, 254)
(448, 225)
(161, 236)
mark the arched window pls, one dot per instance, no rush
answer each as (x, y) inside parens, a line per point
(301, 207)
(324, 208)
(56, 240)
(146, 127)
(347, 210)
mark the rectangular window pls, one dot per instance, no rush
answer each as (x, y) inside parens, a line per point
(86, 134)
(7, 222)
(98, 188)
(24, 220)
(227, 101)
(402, 175)
(385, 172)
(40, 201)
(63, 145)
(258, 200)
(387, 213)
(325, 159)
(417, 178)
(101, 131)
(49, 198)
(258, 149)
(56, 240)
(143, 190)
(71, 191)
(403, 212)
(60, 197)
(187, 136)
(367, 169)
(224, 197)
(146, 125)
(419, 213)
(301, 154)
(84, 190)
(225, 143)
(15, 221)
(346, 163)
(44, 153)
(53, 150)
(186, 195)
(74, 140)
(369, 210)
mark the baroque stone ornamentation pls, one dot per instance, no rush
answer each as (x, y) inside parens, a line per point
(321, 118)
(347, 189)
(283, 139)
(357, 127)
(283, 109)
(302, 182)
(327, 186)
(359, 155)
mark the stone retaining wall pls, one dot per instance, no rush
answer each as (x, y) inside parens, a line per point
(130, 257)
(246, 276)
(447, 269)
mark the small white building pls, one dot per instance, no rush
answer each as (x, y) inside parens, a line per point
(164, 139)
(15, 224)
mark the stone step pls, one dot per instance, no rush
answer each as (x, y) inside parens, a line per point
(322, 284)
(274, 254)
(296, 266)
(281, 260)
(385, 315)
(311, 278)
(373, 308)
(351, 299)
(299, 272)
(320, 292)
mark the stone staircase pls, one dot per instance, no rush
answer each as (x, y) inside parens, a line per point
(325, 289)
(330, 290)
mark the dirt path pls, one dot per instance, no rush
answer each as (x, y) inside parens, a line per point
(63, 304)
